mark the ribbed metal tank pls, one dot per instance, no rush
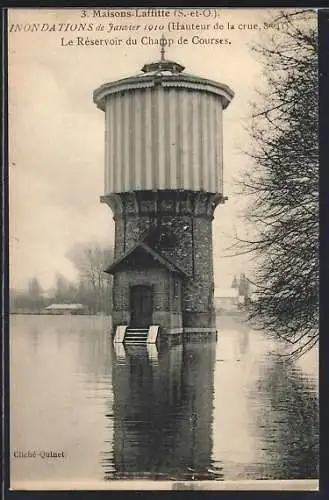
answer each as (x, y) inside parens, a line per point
(163, 130)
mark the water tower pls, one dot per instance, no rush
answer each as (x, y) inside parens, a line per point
(163, 181)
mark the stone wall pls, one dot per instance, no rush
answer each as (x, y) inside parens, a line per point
(157, 278)
(178, 224)
(166, 305)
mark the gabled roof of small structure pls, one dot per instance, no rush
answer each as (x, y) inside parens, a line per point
(161, 259)
(65, 306)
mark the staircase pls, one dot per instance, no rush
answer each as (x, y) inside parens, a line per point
(136, 336)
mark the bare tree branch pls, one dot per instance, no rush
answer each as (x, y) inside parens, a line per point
(282, 184)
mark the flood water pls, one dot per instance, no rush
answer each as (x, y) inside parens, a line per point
(235, 409)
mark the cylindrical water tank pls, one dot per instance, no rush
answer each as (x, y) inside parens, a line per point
(163, 130)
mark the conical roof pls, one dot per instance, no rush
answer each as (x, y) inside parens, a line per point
(166, 73)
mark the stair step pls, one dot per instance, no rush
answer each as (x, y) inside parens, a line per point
(144, 339)
(137, 330)
(137, 333)
(135, 342)
(133, 334)
(136, 336)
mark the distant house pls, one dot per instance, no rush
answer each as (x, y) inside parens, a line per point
(227, 298)
(65, 309)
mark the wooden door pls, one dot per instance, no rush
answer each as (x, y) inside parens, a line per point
(141, 306)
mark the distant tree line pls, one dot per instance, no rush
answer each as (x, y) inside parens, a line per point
(92, 289)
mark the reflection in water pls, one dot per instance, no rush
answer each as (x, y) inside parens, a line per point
(288, 421)
(162, 411)
(243, 341)
(229, 410)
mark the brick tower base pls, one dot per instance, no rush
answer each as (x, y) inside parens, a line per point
(163, 240)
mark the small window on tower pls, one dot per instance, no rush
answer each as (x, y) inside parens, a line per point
(167, 238)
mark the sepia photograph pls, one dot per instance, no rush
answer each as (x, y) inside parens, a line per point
(163, 241)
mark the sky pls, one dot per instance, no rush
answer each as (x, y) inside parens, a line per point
(56, 133)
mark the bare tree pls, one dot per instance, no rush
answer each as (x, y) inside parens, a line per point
(35, 294)
(65, 290)
(30, 300)
(90, 260)
(282, 183)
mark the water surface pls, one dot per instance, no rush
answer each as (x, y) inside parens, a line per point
(235, 409)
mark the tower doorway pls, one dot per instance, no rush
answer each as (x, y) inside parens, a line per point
(141, 306)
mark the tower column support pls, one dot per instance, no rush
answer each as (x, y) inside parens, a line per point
(178, 225)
